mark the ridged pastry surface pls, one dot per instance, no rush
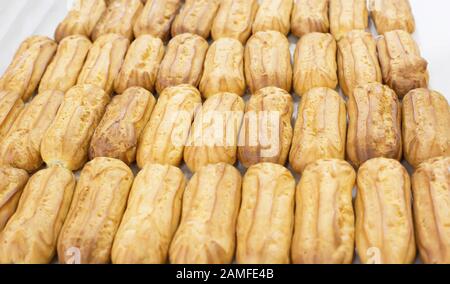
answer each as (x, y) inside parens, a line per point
(384, 223)
(266, 218)
(207, 231)
(431, 192)
(152, 216)
(324, 217)
(32, 232)
(98, 204)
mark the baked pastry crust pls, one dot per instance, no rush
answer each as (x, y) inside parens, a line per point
(357, 61)
(183, 62)
(266, 218)
(214, 134)
(141, 64)
(104, 61)
(273, 15)
(310, 16)
(268, 61)
(315, 63)
(67, 140)
(224, 68)
(389, 15)
(118, 132)
(431, 190)
(156, 18)
(384, 223)
(165, 135)
(21, 146)
(321, 128)
(10, 107)
(425, 128)
(402, 66)
(348, 15)
(374, 128)
(324, 220)
(207, 231)
(12, 182)
(119, 18)
(235, 19)
(152, 216)
(63, 71)
(98, 204)
(266, 132)
(32, 232)
(28, 65)
(81, 20)
(196, 17)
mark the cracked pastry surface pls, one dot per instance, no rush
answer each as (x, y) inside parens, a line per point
(320, 130)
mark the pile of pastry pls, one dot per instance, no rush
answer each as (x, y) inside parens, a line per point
(207, 84)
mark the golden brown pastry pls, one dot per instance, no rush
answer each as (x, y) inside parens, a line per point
(207, 231)
(10, 107)
(375, 115)
(21, 147)
(32, 232)
(268, 61)
(324, 218)
(63, 71)
(104, 62)
(357, 61)
(183, 62)
(98, 204)
(402, 66)
(67, 140)
(156, 18)
(389, 15)
(425, 128)
(348, 15)
(315, 63)
(273, 15)
(151, 217)
(234, 19)
(384, 225)
(266, 132)
(12, 182)
(82, 19)
(214, 134)
(165, 135)
(310, 16)
(320, 130)
(431, 190)
(119, 18)
(141, 64)
(118, 133)
(196, 17)
(266, 219)
(224, 68)
(28, 65)
(374, 128)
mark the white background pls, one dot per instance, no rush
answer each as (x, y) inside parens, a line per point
(22, 18)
